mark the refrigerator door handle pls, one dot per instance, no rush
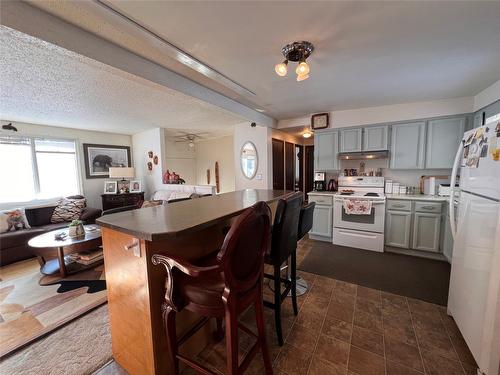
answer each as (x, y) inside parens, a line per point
(451, 206)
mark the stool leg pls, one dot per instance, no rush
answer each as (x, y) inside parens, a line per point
(261, 328)
(231, 338)
(169, 319)
(277, 303)
(293, 276)
(219, 333)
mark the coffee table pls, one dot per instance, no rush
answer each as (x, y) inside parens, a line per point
(46, 246)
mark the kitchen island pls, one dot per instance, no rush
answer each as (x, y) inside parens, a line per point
(189, 229)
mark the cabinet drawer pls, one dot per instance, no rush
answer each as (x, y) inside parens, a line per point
(398, 205)
(434, 207)
(321, 199)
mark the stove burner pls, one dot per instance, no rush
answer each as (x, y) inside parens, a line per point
(371, 195)
(346, 193)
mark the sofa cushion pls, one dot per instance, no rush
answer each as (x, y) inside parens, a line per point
(38, 216)
(18, 238)
(13, 220)
(68, 210)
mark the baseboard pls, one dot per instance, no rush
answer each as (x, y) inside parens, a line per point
(416, 253)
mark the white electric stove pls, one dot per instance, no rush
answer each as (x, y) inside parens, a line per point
(360, 231)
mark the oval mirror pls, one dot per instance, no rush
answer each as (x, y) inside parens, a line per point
(249, 160)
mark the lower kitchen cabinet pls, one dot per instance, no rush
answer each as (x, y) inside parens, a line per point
(426, 231)
(398, 228)
(322, 221)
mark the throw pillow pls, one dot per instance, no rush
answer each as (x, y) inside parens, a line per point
(68, 210)
(12, 220)
(151, 203)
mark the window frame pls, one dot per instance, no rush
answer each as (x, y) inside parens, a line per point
(34, 167)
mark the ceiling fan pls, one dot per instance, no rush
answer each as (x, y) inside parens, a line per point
(189, 138)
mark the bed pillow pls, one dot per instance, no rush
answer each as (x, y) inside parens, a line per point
(68, 209)
(12, 220)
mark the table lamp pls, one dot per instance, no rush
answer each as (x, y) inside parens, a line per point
(121, 172)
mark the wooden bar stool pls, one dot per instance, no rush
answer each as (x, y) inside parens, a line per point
(283, 247)
(221, 286)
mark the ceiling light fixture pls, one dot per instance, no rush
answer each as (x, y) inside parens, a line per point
(297, 52)
(307, 135)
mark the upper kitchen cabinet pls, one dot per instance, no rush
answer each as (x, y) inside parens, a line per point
(375, 138)
(326, 144)
(408, 146)
(350, 140)
(443, 138)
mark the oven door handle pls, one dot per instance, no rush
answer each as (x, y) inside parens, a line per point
(373, 202)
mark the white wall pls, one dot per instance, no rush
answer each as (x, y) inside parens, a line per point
(149, 140)
(390, 113)
(261, 138)
(487, 96)
(220, 150)
(91, 188)
(181, 159)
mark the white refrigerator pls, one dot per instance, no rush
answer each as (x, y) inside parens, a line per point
(474, 295)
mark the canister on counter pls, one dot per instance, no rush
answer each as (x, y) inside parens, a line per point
(395, 188)
(388, 187)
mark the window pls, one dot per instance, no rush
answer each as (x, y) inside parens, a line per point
(37, 168)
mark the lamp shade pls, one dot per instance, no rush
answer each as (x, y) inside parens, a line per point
(121, 172)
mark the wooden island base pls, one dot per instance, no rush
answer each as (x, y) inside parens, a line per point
(136, 286)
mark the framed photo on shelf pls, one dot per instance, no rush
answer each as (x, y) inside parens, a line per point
(110, 187)
(99, 158)
(320, 121)
(135, 186)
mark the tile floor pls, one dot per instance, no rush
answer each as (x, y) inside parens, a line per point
(348, 329)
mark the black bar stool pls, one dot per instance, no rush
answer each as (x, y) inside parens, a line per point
(284, 246)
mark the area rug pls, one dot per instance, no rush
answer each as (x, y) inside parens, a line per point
(29, 310)
(409, 276)
(80, 347)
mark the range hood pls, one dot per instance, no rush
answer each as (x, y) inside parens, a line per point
(365, 155)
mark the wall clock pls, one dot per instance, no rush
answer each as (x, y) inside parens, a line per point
(319, 121)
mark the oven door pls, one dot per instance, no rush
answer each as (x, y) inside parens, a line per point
(374, 222)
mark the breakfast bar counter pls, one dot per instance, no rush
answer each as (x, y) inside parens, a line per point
(189, 229)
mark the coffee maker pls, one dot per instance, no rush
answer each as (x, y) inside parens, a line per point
(319, 181)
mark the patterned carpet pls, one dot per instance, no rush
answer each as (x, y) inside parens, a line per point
(29, 310)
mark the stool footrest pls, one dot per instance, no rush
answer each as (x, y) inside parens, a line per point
(246, 329)
(248, 358)
(192, 331)
(198, 367)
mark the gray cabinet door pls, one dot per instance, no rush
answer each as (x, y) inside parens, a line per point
(322, 221)
(325, 150)
(375, 138)
(443, 139)
(350, 140)
(426, 231)
(407, 146)
(398, 229)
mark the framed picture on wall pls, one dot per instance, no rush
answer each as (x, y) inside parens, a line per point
(99, 158)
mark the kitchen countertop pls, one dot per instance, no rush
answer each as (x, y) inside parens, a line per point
(417, 197)
(326, 192)
(186, 217)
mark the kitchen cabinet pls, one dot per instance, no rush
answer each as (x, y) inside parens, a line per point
(375, 138)
(398, 228)
(322, 221)
(408, 146)
(426, 231)
(325, 151)
(443, 138)
(350, 140)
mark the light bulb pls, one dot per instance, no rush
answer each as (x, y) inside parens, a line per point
(302, 68)
(302, 77)
(281, 69)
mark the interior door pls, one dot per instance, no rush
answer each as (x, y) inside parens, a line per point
(289, 166)
(278, 164)
(299, 168)
(309, 168)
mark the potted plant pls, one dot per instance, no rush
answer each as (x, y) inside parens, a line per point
(76, 229)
